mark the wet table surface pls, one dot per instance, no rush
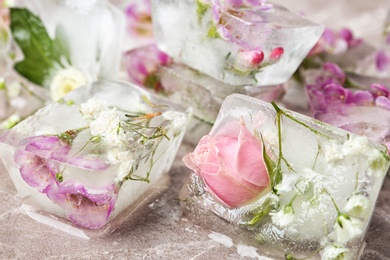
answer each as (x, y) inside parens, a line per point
(162, 233)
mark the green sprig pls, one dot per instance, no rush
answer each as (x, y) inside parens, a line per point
(41, 53)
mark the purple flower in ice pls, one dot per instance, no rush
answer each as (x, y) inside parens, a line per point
(86, 207)
(34, 163)
(334, 42)
(359, 111)
(382, 60)
(139, 18)
(142, 65)
(39, 159)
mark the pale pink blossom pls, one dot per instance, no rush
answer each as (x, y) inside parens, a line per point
(231, 165)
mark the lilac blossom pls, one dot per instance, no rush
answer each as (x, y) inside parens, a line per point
(332, 103)
(89, 208)
(382, 60)
(335, 42)
(39, 159)
(34, 163)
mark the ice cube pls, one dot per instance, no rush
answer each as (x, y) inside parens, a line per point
(237, 45)
(355, 104)
(290, 185)
(153, 69)
(97, 155)
(97, 56)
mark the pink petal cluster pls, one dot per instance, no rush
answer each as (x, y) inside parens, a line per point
(231, 165)
(335, 42)
(39, 159)
(332, 103)
(139, 18)
(253, 59)
(142, 65)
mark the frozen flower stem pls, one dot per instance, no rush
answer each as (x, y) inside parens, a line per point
(275, 169)
(277, 172)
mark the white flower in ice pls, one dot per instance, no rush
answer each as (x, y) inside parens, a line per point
(335, 253)
(347, 228)
(66, 80)
(332, 151)
(284, 216)
(355, 145)
(287, 184)
(116, 137)
(357, 206)
(317, 180)
(91, 109)
(178, 119)
(117, 155)
(107, 121)
(377, 161)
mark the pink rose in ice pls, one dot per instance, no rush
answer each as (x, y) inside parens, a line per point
(231, 165)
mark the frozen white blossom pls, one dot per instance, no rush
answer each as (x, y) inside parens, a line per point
(358, 206)
(91, 109)
(107, 121)
(178, 119)
(319, 182)
(116, 137)
(332, 252)
(347, 228)
(284, 216)
(66, 80)
(287, 184)
(117, 155)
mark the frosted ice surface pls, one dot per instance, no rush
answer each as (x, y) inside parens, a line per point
(283, 38)
(326, 174)
(103, 149)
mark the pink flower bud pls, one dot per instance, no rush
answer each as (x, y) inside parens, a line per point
(249, 59)
(231, 165)
(276, 54)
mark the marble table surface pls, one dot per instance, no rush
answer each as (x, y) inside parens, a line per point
(163, 233)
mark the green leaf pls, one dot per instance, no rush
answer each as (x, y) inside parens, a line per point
(269, 164)
(41, 53)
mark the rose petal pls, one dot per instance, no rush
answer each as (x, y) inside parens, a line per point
(249, 159)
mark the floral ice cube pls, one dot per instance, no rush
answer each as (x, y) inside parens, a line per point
(95, 155)
(59, 29)
(249, 42)
(292, 186)
(361, 111)
(153, 69)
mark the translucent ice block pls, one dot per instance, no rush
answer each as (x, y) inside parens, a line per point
(237, 45)
(153, 69)
(100, 152)
(360, 105)
(292, 186)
